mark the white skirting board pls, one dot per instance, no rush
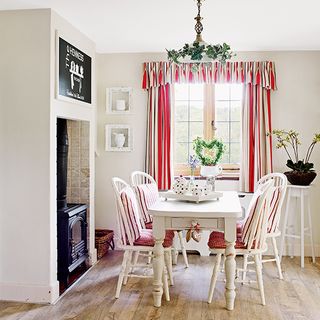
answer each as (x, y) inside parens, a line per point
(29, 292)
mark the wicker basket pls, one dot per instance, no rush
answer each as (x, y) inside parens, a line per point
(104, 240)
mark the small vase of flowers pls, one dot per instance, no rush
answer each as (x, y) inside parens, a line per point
(302, 170)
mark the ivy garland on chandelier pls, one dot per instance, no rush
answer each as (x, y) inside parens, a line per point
(200, 51)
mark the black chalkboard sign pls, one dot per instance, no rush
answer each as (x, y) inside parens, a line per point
(74, 72)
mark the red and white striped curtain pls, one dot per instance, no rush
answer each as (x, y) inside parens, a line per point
(256, 155)
(158, 150)
(259, 78)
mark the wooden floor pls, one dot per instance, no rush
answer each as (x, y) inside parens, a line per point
(295, 297)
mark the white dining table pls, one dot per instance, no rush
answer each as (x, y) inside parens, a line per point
(219, 214)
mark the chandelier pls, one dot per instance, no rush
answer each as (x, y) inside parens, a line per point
(199, 50)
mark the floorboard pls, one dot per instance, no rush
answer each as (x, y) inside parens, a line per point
(297, 297)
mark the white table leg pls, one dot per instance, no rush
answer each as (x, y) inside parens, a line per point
(302, 227)
(230, 262)
(158, 260)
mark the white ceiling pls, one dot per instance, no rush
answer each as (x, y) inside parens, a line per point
(153, 25)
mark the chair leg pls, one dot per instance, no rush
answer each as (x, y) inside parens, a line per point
(258, 264)
(121, 274)
(149, 258)
(183, 249)
(214, 277)
(223, 260)
(174, 255)
(168, 264)
(276, 256)
(245, 266)
(135, 260)
(165, 284)
(128, 267)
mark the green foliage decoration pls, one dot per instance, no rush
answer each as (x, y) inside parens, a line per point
(290, 142)
(196, 51)
(217, 148)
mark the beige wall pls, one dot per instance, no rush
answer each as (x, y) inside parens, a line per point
(24, 160)
(295, 105)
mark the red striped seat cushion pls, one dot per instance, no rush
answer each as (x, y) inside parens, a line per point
(128, 200)
(149, 225)
(147, 195)
(146, 238)
(248, 223)
(216, 241)
(273, 219)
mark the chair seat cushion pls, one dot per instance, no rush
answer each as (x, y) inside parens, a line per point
(146, 238)
(149, 225)
(216, 241)
(239, 228)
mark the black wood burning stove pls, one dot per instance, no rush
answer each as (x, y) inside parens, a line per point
(72, 218)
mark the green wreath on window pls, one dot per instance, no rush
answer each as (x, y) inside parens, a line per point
(216, 146)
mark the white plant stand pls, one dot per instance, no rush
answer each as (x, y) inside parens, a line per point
(303, 194)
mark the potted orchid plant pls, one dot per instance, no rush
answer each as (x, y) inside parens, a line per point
(302, 170)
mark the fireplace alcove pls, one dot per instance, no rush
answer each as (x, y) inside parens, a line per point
(72, 199)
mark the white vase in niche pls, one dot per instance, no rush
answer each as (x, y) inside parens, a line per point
(120, 105)
(119, 139)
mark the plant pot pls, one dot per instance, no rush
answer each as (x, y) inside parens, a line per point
(300, 178)
(210, 171)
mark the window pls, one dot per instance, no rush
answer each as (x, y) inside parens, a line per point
(207, 111)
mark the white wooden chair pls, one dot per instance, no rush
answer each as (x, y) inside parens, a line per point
(273, 231)
(253, 238)
(134, 240)
(147, 193)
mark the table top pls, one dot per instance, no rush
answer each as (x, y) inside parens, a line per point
(228, 206)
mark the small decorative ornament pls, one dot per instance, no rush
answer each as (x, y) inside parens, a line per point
(197, 191)
(194, 232)
(207, 189)
(180, 185)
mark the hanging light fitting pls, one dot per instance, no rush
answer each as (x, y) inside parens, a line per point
(199, 50)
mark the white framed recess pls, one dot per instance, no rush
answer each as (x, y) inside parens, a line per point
(118, 137)
(119, 100)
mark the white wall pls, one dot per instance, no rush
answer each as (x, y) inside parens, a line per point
(295, 105)
(24, 160)
(75, 111)
(28, 231)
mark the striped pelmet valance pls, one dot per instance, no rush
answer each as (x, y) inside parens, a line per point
(260, 73)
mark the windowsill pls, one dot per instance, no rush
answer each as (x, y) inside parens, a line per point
(224, 176)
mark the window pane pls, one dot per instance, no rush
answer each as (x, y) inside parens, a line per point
(181, 131)
(196, 92)
(181, 152)
(221, 92)
(225, 157)
(236, 91)
(235, 153)
(235, 132)
(181, 111)
(235, 110)
(222, 110)
(196, 111)
(196, 130)
(181, 92)
(222, 131)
